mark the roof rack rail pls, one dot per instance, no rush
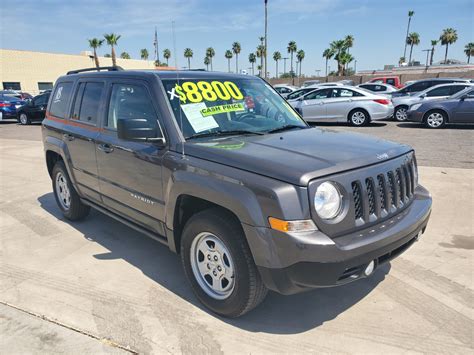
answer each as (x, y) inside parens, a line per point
(116, 68)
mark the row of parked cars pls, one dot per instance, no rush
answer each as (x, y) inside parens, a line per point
(434, 102)
(22, 106)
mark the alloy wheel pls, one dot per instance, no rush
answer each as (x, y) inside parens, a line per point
(401, 114)
(62, 191)
(435, 120)
(358, 118)
(23, 119)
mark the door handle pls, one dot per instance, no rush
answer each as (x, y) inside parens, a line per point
(106, 148)
(68, 137)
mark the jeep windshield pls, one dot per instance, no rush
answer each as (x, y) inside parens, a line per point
(219, 107)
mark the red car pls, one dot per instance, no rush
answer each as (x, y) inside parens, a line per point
(391, 80)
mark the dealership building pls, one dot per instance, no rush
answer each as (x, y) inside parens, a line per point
(33, 72)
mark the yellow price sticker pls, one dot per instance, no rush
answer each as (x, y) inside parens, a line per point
(195, 92)
(215, 110)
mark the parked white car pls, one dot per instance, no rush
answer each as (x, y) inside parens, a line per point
(442, 91)
(378, 88)
(343, 104)
(284, 90)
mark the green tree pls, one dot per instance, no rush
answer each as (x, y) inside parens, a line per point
(236, 48)
(349, 42)
(401, 61)
(95, 43)
(276, 58)
(107, 55)
(112, 40)
(228, 54)
(252, 60)
(207, 61)
(300, 56)
(413, 39)
(144, 54)
(188, 54)
(434, 42)
(124, 55)
(167, 55)
(260, 54)
(345, 58)
(448, 36)
(469, 51)
(328, 54)
(410, 15)
(210, 53)
(338, 47)
(292, 48)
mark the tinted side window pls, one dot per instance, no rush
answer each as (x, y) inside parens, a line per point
(345, 93)
(41, 100)
(89, 110)
(319, 94)
(368, 87)
(418, 86)
(391, 81)
(457, 88)
(442, 91)
(130, 101)
(60, 99)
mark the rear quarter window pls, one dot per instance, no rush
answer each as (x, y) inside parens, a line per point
(60, 100)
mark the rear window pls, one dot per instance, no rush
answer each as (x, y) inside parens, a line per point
(61, 99)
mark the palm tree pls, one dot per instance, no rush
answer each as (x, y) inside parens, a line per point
(207, 61)
(228, 54)
(260, 54)
(210, 53)
(349, 42)
(124, 55)
(112, 40)
(413, 39)
(144, 54)
(448, 36)
(401, 61)
(95, 43)
(188, 53)
(410, 15)
(276, 58)
(345, 58)
(328, 54)
(236, 49)
(252, 60)
(300, 56)
(434, 42)
(338, 47)
(292, 48)
(469, 51)
(167, 55)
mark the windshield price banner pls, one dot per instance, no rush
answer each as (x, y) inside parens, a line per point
(191, 92)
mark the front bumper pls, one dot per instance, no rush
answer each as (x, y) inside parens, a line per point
(294, 263)
(414, 116)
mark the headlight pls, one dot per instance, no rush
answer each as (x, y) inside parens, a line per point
(327, 200)
(415, 107)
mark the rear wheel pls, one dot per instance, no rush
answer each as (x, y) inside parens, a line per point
(218, 264)
(400, 113)
(435, 119)
(358, 117)
(66, 196)
(24, 119)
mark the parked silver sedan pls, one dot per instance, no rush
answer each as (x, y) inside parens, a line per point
(343, 104)
(284, 90)
(378, 88)
(442, 91)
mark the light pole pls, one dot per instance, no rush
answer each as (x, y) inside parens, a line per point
(427, 54)
(284, 64)
(355, 66)
(317, 72)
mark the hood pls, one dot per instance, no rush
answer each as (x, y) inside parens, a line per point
(297, 156)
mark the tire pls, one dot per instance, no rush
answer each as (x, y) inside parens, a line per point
(220, 235)
(400, 113)
(359, 117)
(24, 119)
(66, 196)
(435, 119)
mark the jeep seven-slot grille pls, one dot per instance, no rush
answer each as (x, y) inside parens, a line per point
(385, 193)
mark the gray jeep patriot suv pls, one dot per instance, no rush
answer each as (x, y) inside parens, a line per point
(224, 172)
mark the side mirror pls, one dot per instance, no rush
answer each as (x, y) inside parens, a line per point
(422, 96)
(139, 130)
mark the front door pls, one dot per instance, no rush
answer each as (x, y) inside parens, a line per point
(131, 172)
(38, 107)
(313, 106)
(341, 103)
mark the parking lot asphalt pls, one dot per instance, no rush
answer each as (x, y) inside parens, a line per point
(98, 286)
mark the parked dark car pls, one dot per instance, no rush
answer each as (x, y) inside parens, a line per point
(34, 110)
(9, 103)
(223, 171)
(458, 108)
(424, 84)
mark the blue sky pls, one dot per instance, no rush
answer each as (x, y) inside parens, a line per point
(378, 27)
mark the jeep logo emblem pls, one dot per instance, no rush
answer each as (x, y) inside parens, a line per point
(382, 156)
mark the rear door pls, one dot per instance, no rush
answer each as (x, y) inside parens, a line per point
(341, 103)
(82, 132)
(313, 106)
(38, 109)
(464, 109)
(131, 172)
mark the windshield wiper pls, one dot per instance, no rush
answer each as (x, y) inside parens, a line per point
(285, 128)
(223, 133)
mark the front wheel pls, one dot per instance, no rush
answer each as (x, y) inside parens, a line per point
(24, 119)
(401, 114)
(358, 117)
(218, 264)
(435, 119)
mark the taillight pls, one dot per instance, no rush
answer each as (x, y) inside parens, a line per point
(382, 101)
(4, 104)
